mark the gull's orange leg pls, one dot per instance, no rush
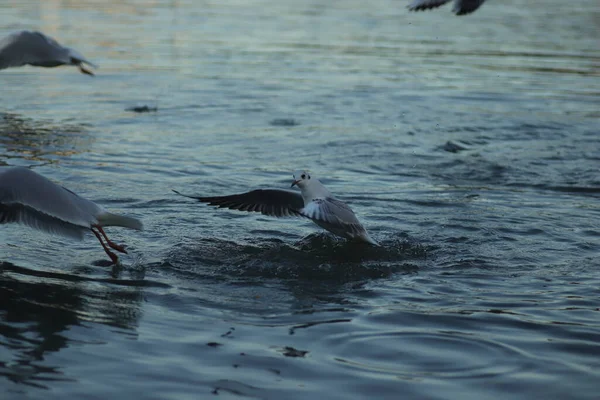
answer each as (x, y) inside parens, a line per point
(112, 255)
(109, 242)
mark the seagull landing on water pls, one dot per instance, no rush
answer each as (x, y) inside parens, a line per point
(314, 202)
(30, 199)
(461, 7)
(35, 48)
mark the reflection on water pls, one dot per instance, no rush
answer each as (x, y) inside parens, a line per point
(37, 307)
(41, 140)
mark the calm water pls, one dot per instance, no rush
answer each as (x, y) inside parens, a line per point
(468, 146)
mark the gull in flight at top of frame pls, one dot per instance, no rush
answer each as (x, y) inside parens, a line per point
(314, 202)
(30, 199)
(35, 48)
(461, 7)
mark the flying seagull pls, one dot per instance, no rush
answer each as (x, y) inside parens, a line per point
(314, 202)
(30, 199)
(35, 48)
(461, 7)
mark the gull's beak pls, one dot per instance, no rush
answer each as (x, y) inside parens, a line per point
(294, 183)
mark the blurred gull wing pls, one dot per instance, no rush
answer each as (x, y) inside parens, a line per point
(27, 197)
(419, 5)
(463, 7)
(20, 214)
(29, 194)
(272, 202)
(35, 48)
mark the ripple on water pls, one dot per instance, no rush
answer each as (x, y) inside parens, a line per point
(425, 354)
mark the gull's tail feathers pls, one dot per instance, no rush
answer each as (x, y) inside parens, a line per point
(110, 219)
(365, 237)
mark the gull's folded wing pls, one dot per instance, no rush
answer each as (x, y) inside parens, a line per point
(333, 212)
(272, 202)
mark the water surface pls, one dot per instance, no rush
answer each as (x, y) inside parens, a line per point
(468, 146)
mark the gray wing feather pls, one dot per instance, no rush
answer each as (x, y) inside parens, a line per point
(35, 48)
(272, 202)
(21, 187)
(19, 214)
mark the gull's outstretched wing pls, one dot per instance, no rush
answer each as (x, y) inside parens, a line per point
(23, 188)
(20, 214)
(35, 48)
(272, 202)
(29, 198)
(419, 5)
(10, 54)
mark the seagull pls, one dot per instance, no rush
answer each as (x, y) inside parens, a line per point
(30, 199)
(314, 202)
(35, 48)
(461, 7)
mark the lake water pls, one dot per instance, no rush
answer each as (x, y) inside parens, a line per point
(468, 146)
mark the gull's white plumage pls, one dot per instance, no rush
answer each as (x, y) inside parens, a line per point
(314, 202)
(35, 48)
(461, 7)
(30, 199)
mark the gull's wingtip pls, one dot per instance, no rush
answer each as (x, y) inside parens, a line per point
(179, 193)
(185, 195)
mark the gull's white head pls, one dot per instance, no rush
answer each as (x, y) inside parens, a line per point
(310, 187)
(301, 179)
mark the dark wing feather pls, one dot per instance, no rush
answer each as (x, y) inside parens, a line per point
(272, 202)
(420, 5)
(20, 214)
(464, 7)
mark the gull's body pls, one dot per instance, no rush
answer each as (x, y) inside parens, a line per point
(461, 7)
(314, 202)
(30, 199)
(35, 48)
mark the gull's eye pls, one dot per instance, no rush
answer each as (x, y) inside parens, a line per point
(303, 176)
(309, 177)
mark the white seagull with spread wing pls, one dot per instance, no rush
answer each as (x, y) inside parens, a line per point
(314, 202)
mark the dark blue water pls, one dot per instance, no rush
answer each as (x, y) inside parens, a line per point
(468, 146)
